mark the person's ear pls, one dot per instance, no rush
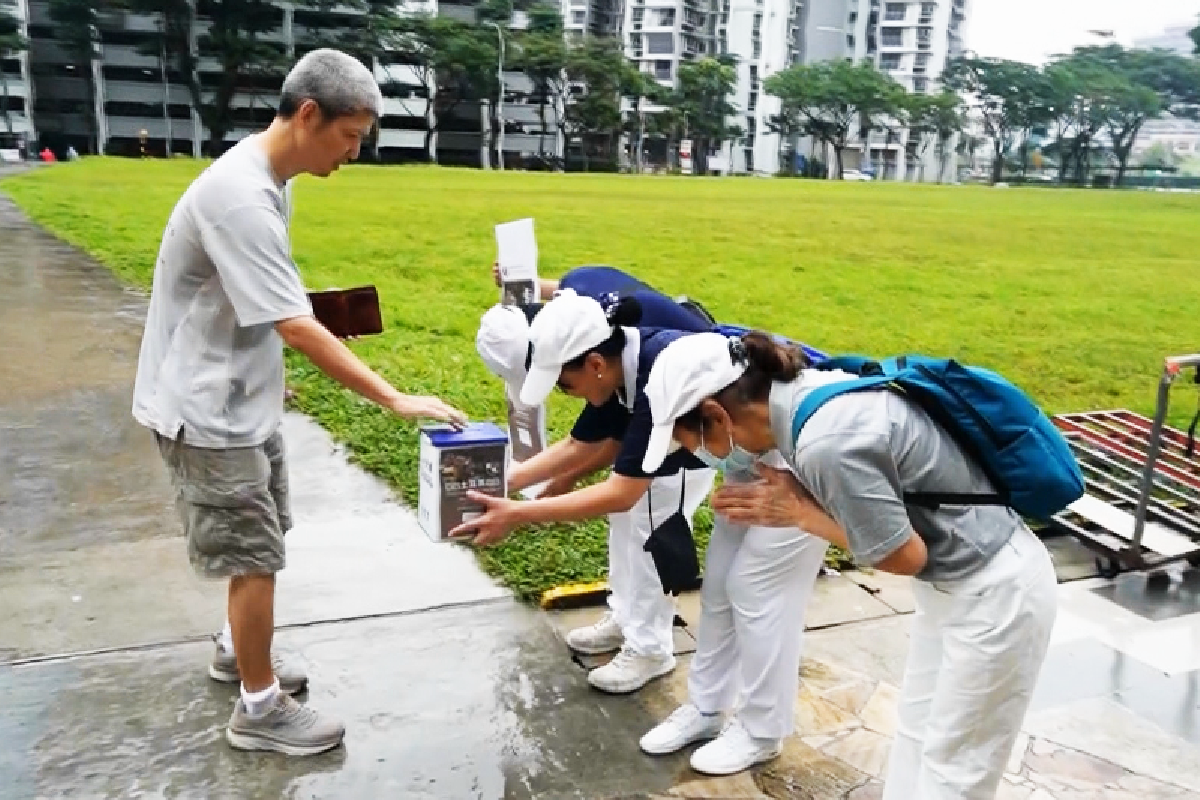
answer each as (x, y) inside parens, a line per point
(595, 365)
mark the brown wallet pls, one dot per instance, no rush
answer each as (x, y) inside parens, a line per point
(348, 312)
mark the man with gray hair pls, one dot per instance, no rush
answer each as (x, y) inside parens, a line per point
(210, 379)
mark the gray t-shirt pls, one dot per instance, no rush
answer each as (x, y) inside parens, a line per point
(211, 363)
(861, 451)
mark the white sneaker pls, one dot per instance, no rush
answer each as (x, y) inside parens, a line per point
(630, 671)
(685, 725)
(602, 637)
(733, 751)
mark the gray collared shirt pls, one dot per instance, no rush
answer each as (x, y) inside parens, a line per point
(861, 451)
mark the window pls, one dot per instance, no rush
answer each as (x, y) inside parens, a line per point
(920, 85)
(578, 17)
(895, 12)
(660, 43)
(892, 37)
(927, 10)
(924, 35)
(889, 61)
(753, 102)
(662, 70)
(638, 14)
(666, 17)
(922, 63)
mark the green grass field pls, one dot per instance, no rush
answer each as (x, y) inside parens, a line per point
(1075, 295)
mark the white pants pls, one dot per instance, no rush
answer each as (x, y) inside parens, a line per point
(976, 649)
(639, 606)
(757, 582)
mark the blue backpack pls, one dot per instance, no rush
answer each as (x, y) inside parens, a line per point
(1019, 448)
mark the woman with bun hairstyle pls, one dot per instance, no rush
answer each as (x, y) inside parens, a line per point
(605, 350)
(984, 586)
(757, 579)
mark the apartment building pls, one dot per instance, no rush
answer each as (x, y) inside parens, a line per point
(16, 87)
(911, 40)
(123, 98)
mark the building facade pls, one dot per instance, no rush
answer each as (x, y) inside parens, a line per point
(911, 40)
(17, 130)
(123, 96)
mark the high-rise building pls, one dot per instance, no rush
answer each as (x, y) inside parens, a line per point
(121, 96)
(911, 40)
(16, 86)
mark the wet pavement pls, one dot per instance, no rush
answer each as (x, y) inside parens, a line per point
(449, 688)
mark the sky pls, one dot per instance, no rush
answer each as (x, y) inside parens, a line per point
(1034, 30)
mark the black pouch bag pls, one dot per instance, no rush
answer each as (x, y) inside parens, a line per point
(674, 550)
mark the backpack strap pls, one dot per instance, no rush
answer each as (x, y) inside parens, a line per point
(819, 396)
(822, 394)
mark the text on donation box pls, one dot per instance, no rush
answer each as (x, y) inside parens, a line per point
(454, 463)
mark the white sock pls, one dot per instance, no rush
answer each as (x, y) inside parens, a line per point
(259, 703)
(225, 638)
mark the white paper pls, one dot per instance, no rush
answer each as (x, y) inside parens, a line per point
(517, 255)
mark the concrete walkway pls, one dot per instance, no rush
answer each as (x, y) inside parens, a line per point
(449, 688)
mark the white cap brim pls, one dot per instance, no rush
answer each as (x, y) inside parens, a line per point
(538, 384)
(659, 447)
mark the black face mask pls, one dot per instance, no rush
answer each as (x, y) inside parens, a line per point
(673, 549)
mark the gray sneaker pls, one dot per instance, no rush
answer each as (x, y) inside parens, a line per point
(289, 727)
(224, 668)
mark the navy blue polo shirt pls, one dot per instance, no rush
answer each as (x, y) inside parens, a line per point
(631, 424)
(606, 285)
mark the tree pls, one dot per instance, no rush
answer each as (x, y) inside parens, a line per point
(12, 44)
(237, 39)
(543, 57)
(1194, 34)
(1142, 85)
(594, 114)
(77, 32)
(639, 89)
(1004, 94)
(936, 119)
(788, 125)
(1159, 156)
(1074, 89)
(454, 61)
(704, 89)
(828, 100)
(374, 36)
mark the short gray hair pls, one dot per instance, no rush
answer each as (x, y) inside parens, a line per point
(337, 82)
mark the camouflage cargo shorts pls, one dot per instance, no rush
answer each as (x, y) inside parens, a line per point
(233, 504)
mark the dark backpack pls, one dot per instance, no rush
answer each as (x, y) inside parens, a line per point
(1019, 448)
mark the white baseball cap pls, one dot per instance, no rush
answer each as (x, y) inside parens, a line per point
(503, 344)
(566, 328)
(688, 371)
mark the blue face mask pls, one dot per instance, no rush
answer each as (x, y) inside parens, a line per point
(738, 460)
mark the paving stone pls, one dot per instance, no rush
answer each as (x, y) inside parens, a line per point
(732, 787)
(851, 696)
(837, 600)
(895, 591)
(1016, 760)
(864, 750)
(872, 790)
(804, 773)
(1075, 770)
(816, 715)
(879, 714)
